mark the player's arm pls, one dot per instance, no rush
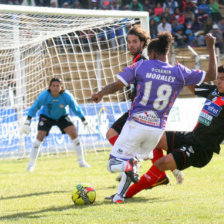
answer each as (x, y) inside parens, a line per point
(211, 73)
(73, 105)
(31, 113)
(124, 79)
(109, 89)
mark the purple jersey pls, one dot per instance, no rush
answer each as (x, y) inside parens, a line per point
(158, 85)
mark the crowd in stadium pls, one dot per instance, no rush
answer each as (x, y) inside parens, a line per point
(188, 20)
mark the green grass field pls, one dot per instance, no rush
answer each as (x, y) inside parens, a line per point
(44, 196)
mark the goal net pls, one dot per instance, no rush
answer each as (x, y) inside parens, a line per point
(85, 48)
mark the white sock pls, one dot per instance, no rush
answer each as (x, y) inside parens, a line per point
(35, 151)
(79, 150)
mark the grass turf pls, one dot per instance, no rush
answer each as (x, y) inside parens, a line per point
(44, 196)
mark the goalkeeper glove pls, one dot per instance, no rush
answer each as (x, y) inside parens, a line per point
(85, 123)
(26, 127)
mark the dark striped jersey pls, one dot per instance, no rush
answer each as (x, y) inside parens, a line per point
(209, 130)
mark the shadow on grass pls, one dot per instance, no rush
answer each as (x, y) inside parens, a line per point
(37, 214)
(30, 195)
(30, 214)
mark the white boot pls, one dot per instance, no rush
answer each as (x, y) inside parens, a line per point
(83, 164)
(178, 174)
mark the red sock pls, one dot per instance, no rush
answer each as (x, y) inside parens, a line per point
(146, 181)
(113, 139)
(158, 153)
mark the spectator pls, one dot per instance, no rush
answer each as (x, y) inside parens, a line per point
(215, 11)
(115, 5)
(28, 3)
(77, 5)
(164, 26)
(202, 16)
(207, 26)
(167, 14)
(94, 4)
(187, 4)
(216, 32)
(194, 7)
(153, 29)
(54, 3)
(45, 3)
(189, 35)
(180, 39)
(205, 7)
(179, 16)
(136, 6)
(171, 4)
(105, 4)
(176, 26)
(148, 4)
(158, 10)
(189, 15)
(221, 26)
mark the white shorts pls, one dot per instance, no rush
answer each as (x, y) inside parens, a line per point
(136, 140)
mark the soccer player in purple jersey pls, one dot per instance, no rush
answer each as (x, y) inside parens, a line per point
(194, 148)
(158, 85)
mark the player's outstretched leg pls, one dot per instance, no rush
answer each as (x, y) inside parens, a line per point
(164, 179)
(33, 155)
(145, 182)
(80, 153)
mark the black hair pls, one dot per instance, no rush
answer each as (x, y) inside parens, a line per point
(161, 44)
(141, 34)
(221, 69)
(56, 80)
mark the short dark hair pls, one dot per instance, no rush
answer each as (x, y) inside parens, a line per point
(141, 34)
(221, 69)
(56, 80)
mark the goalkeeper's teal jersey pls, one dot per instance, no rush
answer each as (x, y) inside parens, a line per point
(55, 107)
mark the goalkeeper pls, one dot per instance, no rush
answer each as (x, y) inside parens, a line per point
(53, 104)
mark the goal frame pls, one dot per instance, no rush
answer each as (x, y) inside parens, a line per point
(142, 16)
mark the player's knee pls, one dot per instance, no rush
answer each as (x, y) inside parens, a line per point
(165, 163)
(109, 164)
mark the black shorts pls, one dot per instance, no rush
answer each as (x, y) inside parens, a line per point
(119, 123)
(46, 123)
(186, 151)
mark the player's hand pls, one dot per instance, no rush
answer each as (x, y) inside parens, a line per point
(96, 97)
(88, 127)
(26, 128)
(210, 40)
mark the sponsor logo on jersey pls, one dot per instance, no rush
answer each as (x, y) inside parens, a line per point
(147, 117)
(212, 108)
(62, 105)
(205, 118)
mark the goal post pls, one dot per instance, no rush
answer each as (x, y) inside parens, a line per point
(85, 48)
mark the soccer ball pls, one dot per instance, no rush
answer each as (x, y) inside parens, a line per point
(83, 194)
